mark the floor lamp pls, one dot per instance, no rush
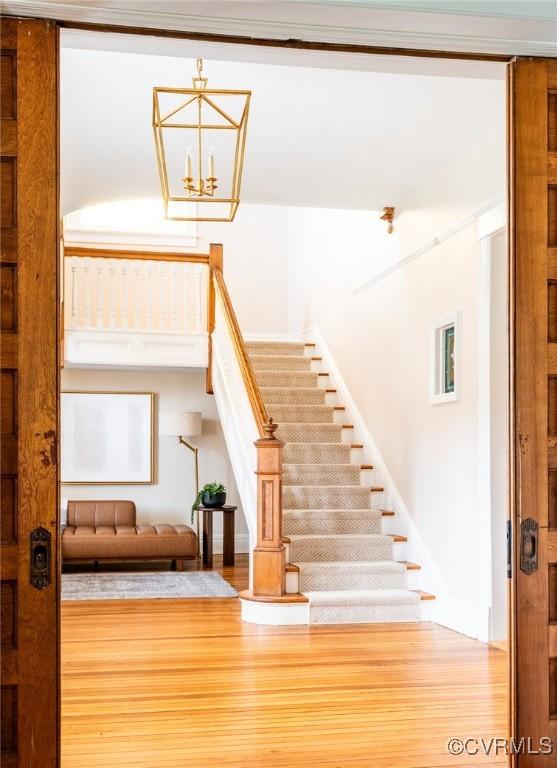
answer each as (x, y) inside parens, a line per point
(182, 425)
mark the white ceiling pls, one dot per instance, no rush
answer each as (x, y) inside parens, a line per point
(318, 135)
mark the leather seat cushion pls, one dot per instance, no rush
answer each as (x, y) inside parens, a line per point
(100, 513)
(122, 541)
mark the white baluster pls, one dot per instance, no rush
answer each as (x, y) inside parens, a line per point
(173, 296)
(188, 315)
(87, 295)
(112, 296)
(100, 291)
(199, 301)
(162, 271)
(137, 297)
(150, 291)
(124, 310)
(73, 296)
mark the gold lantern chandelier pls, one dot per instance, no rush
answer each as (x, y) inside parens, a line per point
(200, 138)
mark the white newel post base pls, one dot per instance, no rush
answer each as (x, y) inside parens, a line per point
(274, 614)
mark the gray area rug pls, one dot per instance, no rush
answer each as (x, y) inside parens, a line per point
(135, 586)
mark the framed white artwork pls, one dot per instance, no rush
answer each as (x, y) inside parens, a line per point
(107, 438)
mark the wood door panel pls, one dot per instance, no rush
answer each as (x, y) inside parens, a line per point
(28, 387)
(534, 227)
(552, 216)
(552, 121)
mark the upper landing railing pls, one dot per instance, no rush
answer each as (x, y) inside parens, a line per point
(109, 290)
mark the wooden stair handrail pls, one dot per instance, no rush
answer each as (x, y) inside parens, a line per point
(114, 253)
(248, 375)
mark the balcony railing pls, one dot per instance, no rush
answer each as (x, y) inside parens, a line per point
(135, 308)
(130, 294)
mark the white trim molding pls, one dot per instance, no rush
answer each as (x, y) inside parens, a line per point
(496, 205)
(122, 349)
(330, 22)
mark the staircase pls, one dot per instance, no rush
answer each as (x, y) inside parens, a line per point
(338, 554)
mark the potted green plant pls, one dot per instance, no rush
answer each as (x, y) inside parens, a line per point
(211, 495)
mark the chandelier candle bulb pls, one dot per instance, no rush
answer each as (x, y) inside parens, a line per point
(211, 166)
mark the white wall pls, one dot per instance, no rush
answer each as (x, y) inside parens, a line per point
(255, 264)
(316, 136)
(499, 435)
(169, 499)
(380, 341)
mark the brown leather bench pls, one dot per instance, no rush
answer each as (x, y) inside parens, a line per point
(107, 531)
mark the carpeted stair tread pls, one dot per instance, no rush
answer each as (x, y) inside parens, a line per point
(309, 433)
(317, 453)
(280, 362)
(293, 396)
(303, 414)
(275, 348)
(325, 497)
(321, 474)
(295, 379)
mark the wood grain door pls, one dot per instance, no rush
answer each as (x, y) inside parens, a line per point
(29, 401)
(534, 227)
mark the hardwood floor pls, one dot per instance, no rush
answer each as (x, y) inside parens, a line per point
(157, 683)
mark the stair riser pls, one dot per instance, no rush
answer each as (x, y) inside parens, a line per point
(296, 581)
(273, 348)
(365, 615)
(332, 527)
(398, 551)
(276, 363)
(308, 497)
(348, 582)
(328, 550)
(303, 414)
(289, 396)
(318, 454)
(306, 474)
(324, 433)
(299, 379)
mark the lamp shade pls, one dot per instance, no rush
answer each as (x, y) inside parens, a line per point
(186, 423)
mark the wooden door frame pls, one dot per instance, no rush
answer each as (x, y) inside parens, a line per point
(386, 51)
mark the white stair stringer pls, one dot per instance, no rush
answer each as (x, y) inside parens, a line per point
(236, 419)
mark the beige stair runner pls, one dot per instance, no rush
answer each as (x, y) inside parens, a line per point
(346, 565)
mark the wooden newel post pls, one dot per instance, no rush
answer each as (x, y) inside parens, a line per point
(269, 575)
